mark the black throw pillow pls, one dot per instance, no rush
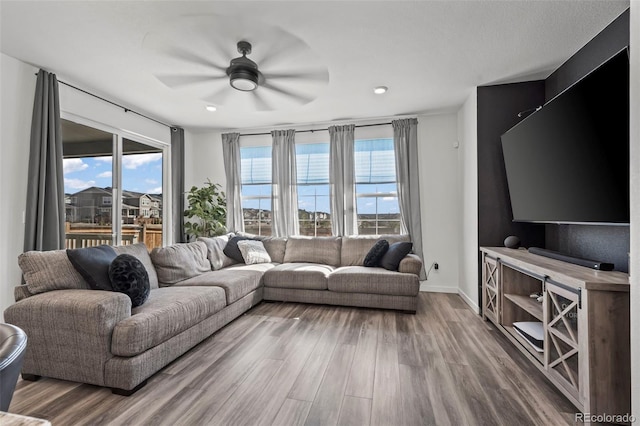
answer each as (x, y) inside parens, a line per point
(232, 250)
(375, 254)
(129, 276)
(93, 264)
(393, 256)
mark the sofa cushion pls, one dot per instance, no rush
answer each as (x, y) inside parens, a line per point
(215, 251)
(372, 259)
(392, 258)
(360, 279)
(50, 270)
(93, 264)
(142, 253)
(167, 312)
(253, 252)
(355, 248)
(236, 283)
(310, 276)
(180, 261)
(276, 246)
(258, 267)
(129, 276)
(323, 250)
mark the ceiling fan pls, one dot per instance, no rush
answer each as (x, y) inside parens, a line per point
(286, 75)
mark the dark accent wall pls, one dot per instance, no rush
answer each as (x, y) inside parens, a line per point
(605, 243)
(498, 108)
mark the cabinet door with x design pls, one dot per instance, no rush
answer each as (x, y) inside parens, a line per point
(490, 295)
(562, 337)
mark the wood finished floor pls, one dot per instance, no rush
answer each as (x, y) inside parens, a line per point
(294, 364)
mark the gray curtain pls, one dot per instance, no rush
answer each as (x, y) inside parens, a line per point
(177, 183)
(284, 193)
(405, 138)
(231, 153)
(342, 178)
(44, 227)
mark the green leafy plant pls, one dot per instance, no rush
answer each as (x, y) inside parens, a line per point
(207, 212)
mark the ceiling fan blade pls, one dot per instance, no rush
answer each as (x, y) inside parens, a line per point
(321, 75)
(261, 104)
(218, 97)
(176, 81)
(298, 97)
(285, 49)
(193, 58)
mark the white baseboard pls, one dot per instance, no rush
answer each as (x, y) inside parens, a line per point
(469, 302)
(437, 288)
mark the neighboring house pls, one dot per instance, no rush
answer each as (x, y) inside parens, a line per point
(94, 205)
(91, 205)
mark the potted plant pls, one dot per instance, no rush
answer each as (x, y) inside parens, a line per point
(207, 212)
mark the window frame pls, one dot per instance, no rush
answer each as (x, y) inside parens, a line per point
(376, 195)
(119, 135)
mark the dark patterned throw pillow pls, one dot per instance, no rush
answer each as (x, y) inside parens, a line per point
(129, 276)
(375, 254)
(393, 256)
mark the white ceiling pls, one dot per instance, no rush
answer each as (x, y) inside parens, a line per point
(429, 53)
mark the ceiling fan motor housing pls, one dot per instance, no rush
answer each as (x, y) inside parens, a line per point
(243, 72)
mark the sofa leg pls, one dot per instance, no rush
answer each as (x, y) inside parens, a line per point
(31, 377)
(126, 392)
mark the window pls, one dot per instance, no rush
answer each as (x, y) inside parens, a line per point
(312, 162)
(90, 159)
(255, 166)
(376, 187)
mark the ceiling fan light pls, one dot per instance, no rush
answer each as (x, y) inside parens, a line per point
(244, 80)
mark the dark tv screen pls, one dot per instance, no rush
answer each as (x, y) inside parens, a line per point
(569, 161)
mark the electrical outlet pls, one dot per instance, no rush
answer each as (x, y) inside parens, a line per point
(436, 266)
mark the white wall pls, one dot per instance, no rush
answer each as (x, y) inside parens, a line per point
(438, 160)
(635, 208)
(17, 88)
(80, 104)
(203, 159)
(468, 200)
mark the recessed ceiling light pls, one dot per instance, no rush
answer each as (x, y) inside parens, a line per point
(380, 90)
(210, 108)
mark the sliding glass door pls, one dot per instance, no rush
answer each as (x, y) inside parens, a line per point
(114, 186)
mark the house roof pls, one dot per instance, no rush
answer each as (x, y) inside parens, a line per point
(429, 53)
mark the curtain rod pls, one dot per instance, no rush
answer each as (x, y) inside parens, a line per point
(115, 104)
(314, 130)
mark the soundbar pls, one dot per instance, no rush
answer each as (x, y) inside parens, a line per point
(593, 264)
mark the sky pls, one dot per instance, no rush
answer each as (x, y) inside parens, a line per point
(140, 173)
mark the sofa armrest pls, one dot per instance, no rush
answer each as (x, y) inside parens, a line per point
(69, 332)
(411, 264)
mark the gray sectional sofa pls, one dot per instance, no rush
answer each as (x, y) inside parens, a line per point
(96, 337)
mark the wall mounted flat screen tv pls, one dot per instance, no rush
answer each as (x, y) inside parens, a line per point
(568, 162)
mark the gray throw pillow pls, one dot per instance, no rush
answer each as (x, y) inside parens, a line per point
(393, 256)
(50, 270)
(232, 250)
(93, 264)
